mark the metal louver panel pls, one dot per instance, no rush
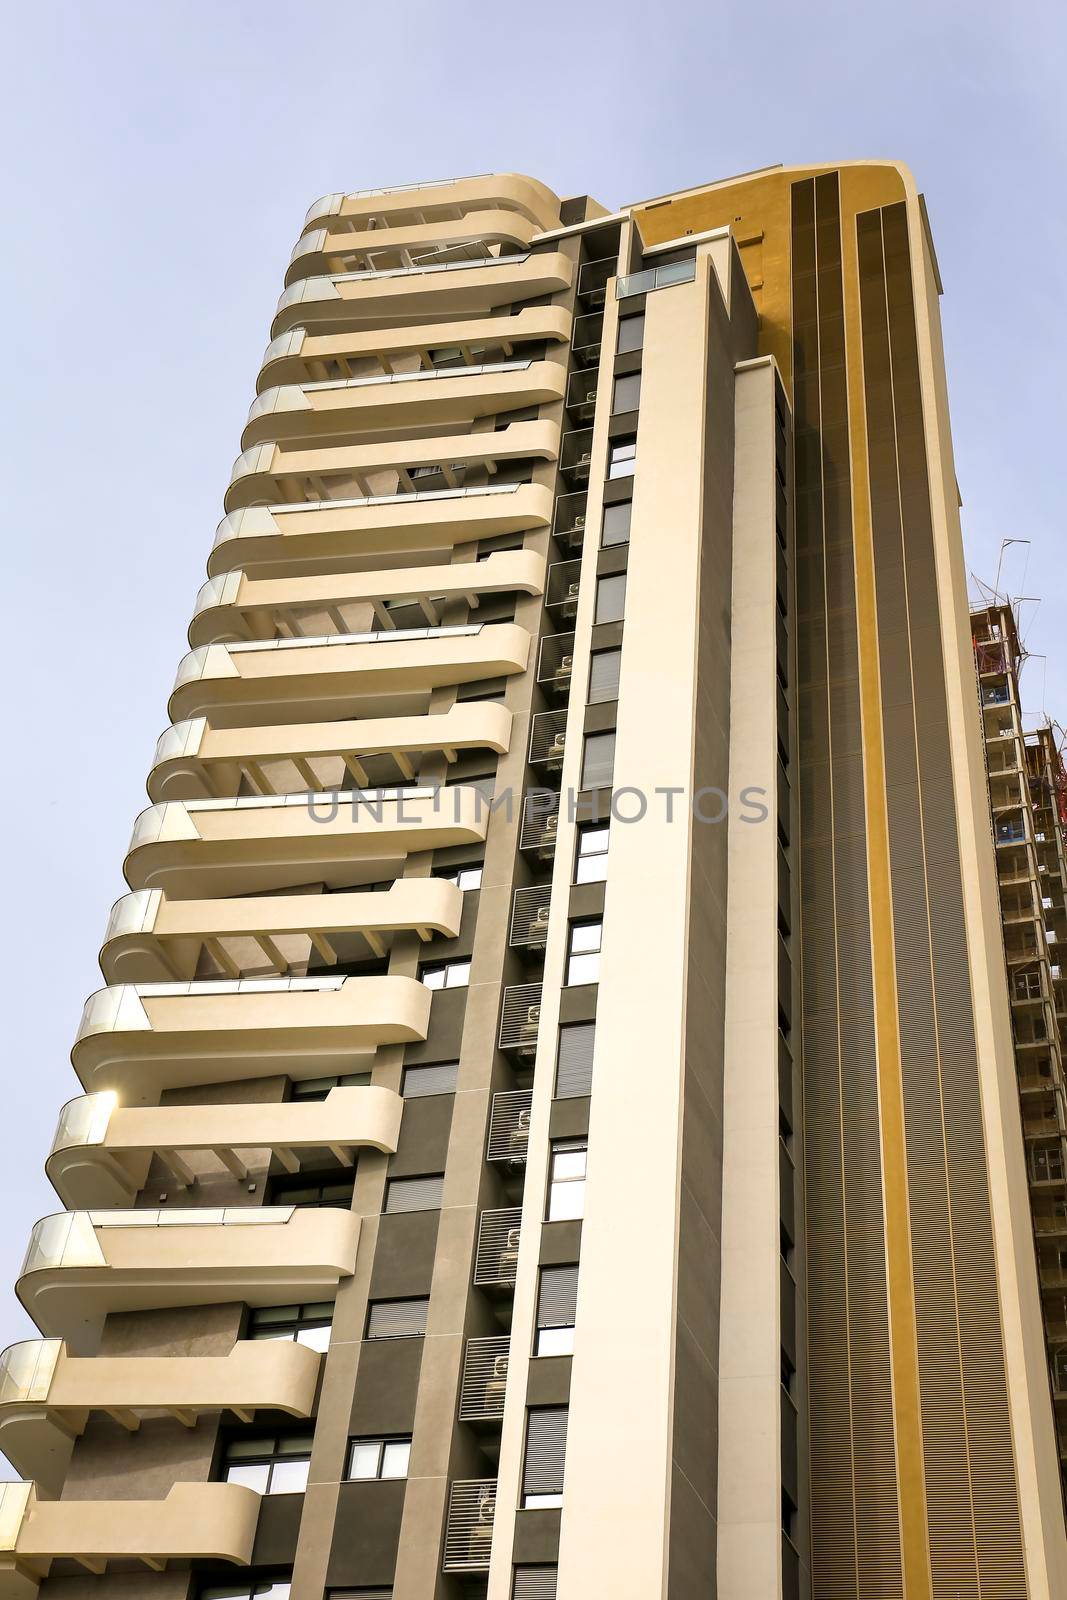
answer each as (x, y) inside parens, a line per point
(546, 1448)
(555, 660)
(519, 1016)
(509, 1125)
(574, 1060)
(529, 917)
(557, 1297)
(439, 1078)
(363, 1594)
(497, 1256)
(598, 760)
(485, 1374)
(561, 591)
(469, 1525)
(414, 1194)
(534, 1583)
(538, 830)
(604, 670)
(397, 1319)
(547, 734)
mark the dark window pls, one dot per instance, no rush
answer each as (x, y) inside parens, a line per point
(446, 975)
(557, 1297)
(438, 1078)
(319, 1088)
(258, 1589)
(270, 1463)
(574, 1060)
(626, 394)
(397, 1319)
(546, 1448)
(307, 1324)
(604, 669)
(622, 459)
(311, 1189)
(598, 760)
(610, 598)
(631, 333)
(534, 1583)
(615, 528)
(378, 1458)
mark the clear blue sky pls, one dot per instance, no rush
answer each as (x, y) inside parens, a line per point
(163, 157)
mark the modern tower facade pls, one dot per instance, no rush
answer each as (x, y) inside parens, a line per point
(550, 1128)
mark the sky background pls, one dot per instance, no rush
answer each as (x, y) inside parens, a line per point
(161, 158)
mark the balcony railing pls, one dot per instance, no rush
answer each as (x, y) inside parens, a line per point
(555, 662)
(576, 454)
(581, 393)
(593, 279)
(469, 1525)
(568, 524)
(655, 278)
(485, 1375)
(509, 1126)
(496, 1257)
(561, 592)
(519, 1017)
(588, 337)
(547, 737)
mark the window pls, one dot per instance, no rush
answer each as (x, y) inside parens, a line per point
(414, 1194)
(622, 458)
(359, 1594)
(397, 1319)
(566, 1182)
(583, 952)
(574, 1060)
(439, 1078)
(264, 1589)
(378, 1458)
(591, 860)
(271, 1463)
(319, 1088)
(462, 877)
(610, 598)
(534, 1583)
(546, 1448)
(631, 333)
(598, 760)
(604, 669)
(311, 1189)
(626, 394)
(307, 1324)
(615, 528)
(446, 975)
(557, 1297)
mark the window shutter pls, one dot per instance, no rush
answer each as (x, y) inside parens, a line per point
(414, 1194)
(546, 1447)
(534, 1583)
(604, 669)
(557, 1297)
(440, 1078)
(397, 1319)
(598, 760)
(574, 1060)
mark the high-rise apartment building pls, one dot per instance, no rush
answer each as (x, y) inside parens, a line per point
(550, 1128)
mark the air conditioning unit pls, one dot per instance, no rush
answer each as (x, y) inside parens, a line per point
(500, 1367)
(524, 1123)
(533, 1016)
(579, 522)
(555, 749)
(540, 919)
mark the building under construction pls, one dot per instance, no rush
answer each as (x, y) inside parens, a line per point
(1028, 806)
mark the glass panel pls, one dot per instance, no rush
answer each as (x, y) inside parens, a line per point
(568, 1164)
(555, 1342)
(289, 1477)
(566, 1201)
(611, 598)
(626, 395)
(314, 1338)
(395, 1458)
(615, 528)
(363, 1457)
(631, 333)
(253, 1476)
(585, 937)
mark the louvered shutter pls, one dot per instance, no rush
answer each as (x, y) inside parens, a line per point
(604, 669)
(440, 1078)
(598, 760)
(574, 1060)
(557, 1297)
(414, 1194)
(397, 1319)
(546, 1447)
(534, 1583)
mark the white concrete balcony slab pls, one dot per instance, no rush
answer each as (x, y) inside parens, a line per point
(340, 675)
(139, 1039)
(47, 1394)
(455, 289)
(194, 759)
(305, 356)
(102, 1150)
(441, 197)
(238, 606)
(298, 473)
(196, 1521)
(301, 539)
(306, 412)
(341, 247)
(150, 938)
(207, 849)
(83, 1265)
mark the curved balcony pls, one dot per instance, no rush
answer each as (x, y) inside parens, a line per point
(205, 849)
(452, 289)
(303, 538)
(139, 1039)
(47, 1394)
(266, 473)
(340, 675)
(304, 356)
(433, 397)
(195, 1521)
(235, 606)
(81, 1266)
(150, 938)
(193, 759)
(340, 247)
(102, 1151)
(442, 197)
